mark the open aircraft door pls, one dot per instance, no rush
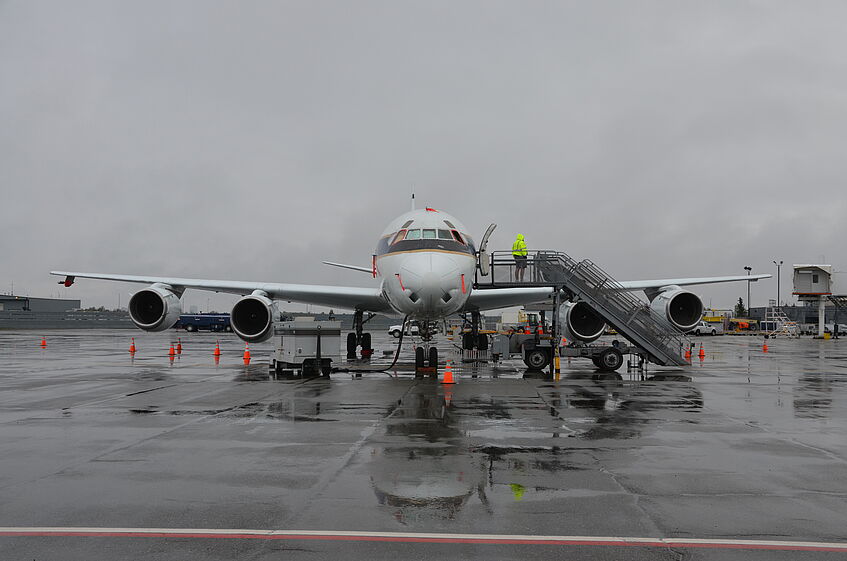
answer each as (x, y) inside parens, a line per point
(482, 256)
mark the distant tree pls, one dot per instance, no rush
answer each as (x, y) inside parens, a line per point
(740, 310)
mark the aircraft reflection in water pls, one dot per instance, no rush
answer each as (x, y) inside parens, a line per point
(420, 460)
(426, 462)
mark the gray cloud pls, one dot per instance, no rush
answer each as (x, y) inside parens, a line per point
(252, 140)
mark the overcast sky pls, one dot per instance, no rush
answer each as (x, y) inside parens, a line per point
(251, 140)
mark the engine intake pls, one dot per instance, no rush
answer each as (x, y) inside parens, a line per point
(155, 308)
(580, 322)
(253, 318)
(683, 309)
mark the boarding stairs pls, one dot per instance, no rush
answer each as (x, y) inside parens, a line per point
(584, 280)
(779, 323)
(839, 301)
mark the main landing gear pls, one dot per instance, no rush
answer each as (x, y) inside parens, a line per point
(359, 338)
(473, 339)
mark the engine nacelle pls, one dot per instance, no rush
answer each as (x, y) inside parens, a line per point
(682, 308)
(579, 322)
(253, 318)
(155, 308)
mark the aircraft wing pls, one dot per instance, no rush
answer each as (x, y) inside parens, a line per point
(348, 297)
(658, 283)
(494, 298)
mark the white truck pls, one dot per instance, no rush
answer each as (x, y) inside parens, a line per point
(706, 328)
(411, 328)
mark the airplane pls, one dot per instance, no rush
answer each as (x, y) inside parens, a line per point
(425, 260)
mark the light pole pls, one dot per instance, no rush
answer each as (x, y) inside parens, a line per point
(748, 269)
(778, 266)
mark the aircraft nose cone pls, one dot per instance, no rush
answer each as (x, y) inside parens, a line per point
(430, 288)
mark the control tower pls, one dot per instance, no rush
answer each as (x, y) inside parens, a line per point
(814, 283)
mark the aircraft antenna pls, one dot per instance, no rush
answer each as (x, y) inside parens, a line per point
(413, 201)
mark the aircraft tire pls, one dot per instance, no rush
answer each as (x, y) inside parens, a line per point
(536, 359)
(610, 360)
(482, 342)
(419, 358)
(467, 341)
(433, 357)
(351, 345)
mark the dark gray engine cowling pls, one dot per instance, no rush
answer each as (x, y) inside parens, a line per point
(579, 322)
(155, 308)
(253, 318)
(683, 309)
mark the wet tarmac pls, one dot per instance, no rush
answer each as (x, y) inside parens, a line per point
(744, 445)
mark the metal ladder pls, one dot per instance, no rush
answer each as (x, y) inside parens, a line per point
(630, 316)
(781, 323)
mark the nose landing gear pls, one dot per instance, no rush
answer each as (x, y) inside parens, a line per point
(426, 355)
(358, 337)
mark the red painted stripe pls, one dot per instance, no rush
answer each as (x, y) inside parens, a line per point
(412, 539)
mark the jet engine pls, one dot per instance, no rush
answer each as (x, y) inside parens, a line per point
(155, 308)
(682, 308)
(579, 322)
(253, 317)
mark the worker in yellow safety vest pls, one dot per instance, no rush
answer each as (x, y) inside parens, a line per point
(519, 253)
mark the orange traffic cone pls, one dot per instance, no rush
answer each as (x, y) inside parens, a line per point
(43, 342)
(702, 353)
(764, 347)
(688, 353)
(171, 351)
(179, 346)
(448, 374)
(132, 347)
(246, 353)
(217, 349)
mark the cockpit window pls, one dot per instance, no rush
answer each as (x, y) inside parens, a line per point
(398, 237)
(444, 235)
(406, 225)
(458, 237)
(413, 235)
(429, 234)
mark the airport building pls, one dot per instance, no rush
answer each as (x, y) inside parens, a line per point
(12, 303)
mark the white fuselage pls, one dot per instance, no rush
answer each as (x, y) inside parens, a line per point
(427, 262)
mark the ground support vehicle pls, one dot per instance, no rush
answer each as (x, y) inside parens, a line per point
(537, 351)
(705, 328)
(306, 347)
(410, 329)
(203, 322)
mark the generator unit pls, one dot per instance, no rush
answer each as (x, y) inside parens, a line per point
(306, 346)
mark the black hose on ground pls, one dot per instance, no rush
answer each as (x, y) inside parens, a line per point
(393, 362)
